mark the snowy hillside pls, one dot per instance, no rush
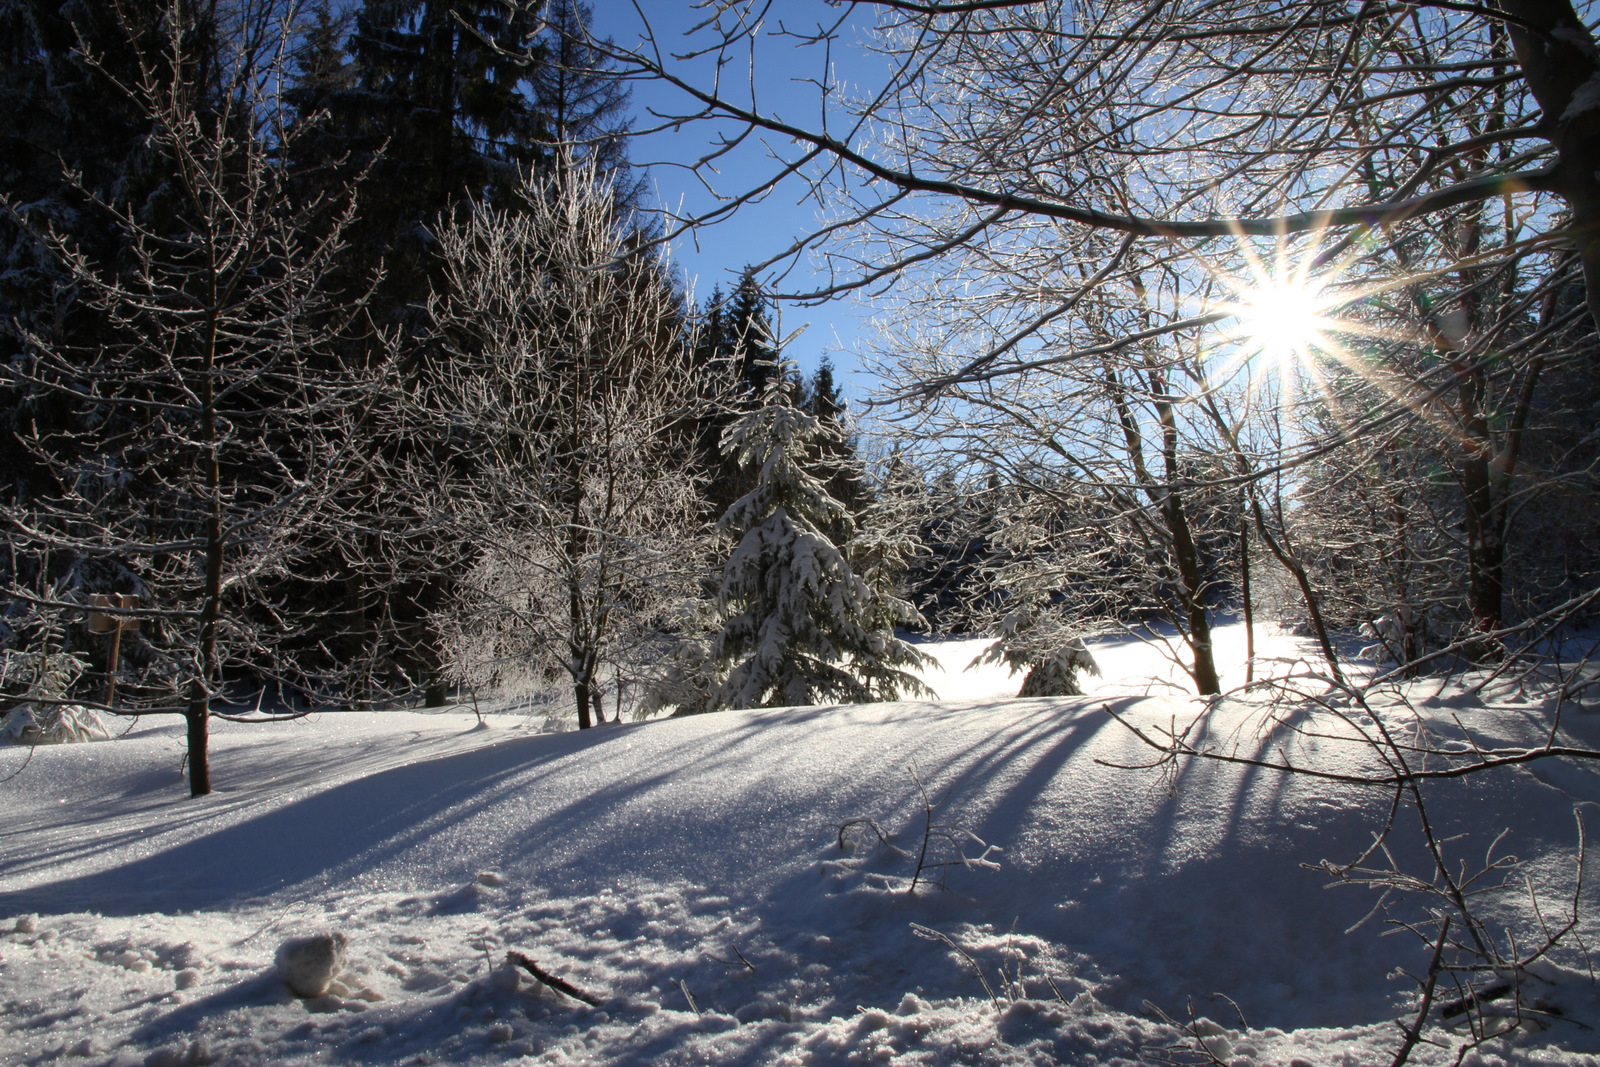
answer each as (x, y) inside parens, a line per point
(688, 875)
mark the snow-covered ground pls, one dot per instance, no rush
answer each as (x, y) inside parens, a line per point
(1139, 662)
(688, 875)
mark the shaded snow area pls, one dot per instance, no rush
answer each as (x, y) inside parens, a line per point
(688, 876)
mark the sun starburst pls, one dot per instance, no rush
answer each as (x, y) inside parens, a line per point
(1286, 316)
(1285, 319)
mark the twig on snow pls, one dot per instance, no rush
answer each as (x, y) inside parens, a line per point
(740, 962)
(930, 934)
(556, 982)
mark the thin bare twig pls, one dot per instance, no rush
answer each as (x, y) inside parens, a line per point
(928, 933)
(559, 984)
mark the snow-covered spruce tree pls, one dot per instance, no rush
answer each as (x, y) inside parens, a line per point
(797, 623)
(1037, 640)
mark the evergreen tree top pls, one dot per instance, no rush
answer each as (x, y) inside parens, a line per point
(784, 447)
(823, 396)
(580, 96)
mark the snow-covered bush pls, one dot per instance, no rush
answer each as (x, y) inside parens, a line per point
(47, 677)
(560, 397)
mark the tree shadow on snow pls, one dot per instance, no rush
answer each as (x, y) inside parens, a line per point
(344, 830)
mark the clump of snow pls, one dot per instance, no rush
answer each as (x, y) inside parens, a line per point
(308, 965)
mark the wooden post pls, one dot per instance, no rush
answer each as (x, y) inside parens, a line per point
(111, 670)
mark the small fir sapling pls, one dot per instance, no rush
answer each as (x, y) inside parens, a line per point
(1051, 658)
(45, 716)
(804, 613)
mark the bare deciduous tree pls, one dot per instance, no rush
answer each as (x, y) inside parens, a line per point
(1022, 160)
(549, 432)
(203, 434)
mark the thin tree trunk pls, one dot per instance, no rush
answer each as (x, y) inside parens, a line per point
(1187, 555)
(1303, 581)
(1245, 595)
(583, 691)
(198, 719)
(1167, 499)
(436, 684)
(578, 647)
(199, 713)
(1184, 550)
(1485, 549)
(1280, 552)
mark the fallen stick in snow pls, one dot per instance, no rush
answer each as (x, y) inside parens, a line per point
(559, 984)
(1473, 999)
(740, 962)
(930, 934)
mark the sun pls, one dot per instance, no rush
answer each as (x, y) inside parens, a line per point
(1295, 317)
(1284, 320)
(1286, 315)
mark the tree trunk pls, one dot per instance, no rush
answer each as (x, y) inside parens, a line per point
(1559, 62)
(1248, 601)
(584, 718)
(198, 718)
(1281, 553)
(435, 675)
(199, 713)
(1187, 556)
(583, 687)
(1483, 520)
(358, 692)
(1169, 502)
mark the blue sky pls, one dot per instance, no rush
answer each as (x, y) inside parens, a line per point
(759, 230)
